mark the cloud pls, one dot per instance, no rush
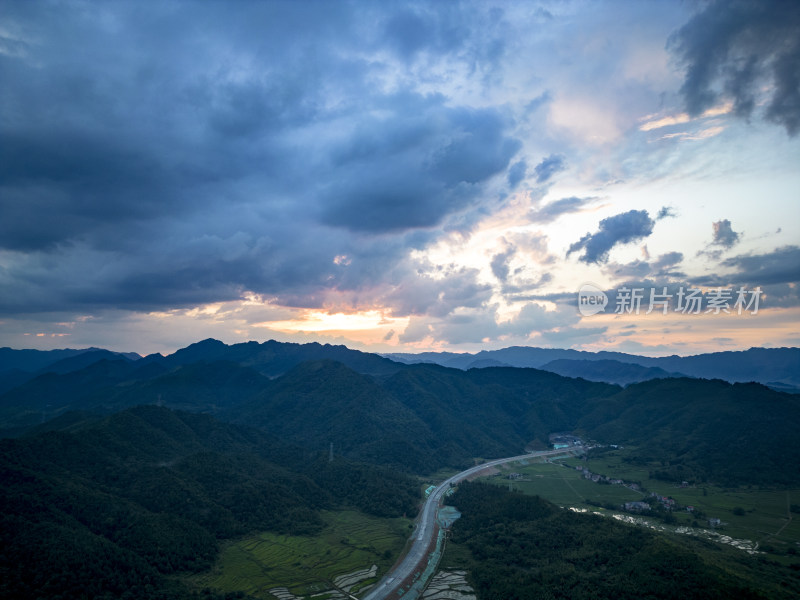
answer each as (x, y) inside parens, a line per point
(517, 173)
(171, 172)
(724, 235)
(535, 318)
(636, 269)
(435, 292)
(777, 267)
(481, 326)
(736, 49)
(667, 261)
(682, 118)
(499, 263)
(333, 159)
(666, 212)
(619, 229)
(777, 273)
(660, 268)
(415, 164)
(552, 210)
(549, 166)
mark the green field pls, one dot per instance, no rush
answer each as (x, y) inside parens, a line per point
(759, 515)
(561, 485)
(351, 541)
(766, 512)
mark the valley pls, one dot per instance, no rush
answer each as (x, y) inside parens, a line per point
(272, 471)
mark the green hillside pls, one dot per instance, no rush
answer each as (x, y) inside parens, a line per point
(148, 492)
(737, 434)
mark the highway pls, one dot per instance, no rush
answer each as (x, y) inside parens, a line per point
(423, 536)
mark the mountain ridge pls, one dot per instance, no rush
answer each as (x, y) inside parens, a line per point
(779, 367)
(764, 365)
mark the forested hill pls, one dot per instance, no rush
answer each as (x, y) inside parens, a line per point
(270, 359)
(705, 430)
(111, 508)
(422, 417)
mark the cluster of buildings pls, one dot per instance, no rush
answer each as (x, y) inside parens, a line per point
(665, 501)
(636, 506)
(587, 474)
(668, 503)
(560, 441)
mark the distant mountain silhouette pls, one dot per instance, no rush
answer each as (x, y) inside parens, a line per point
(19, 366)
(84, 359)
(770, 366)
(777, 367)
(276, 358)
(34, 360)
(610, 371)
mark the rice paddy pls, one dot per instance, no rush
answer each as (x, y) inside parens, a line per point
(350, 542)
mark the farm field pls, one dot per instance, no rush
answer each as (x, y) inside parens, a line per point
(759, 515)
(350, 542)
(561, 485)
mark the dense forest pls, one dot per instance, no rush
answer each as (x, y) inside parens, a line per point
(418, 418)
(114, 508)
(705, 430)
(523, 547)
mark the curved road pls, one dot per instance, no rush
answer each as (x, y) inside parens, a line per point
(417, 557)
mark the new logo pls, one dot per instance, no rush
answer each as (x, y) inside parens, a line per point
(591, 300)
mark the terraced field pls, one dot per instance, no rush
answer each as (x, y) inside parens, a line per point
(352, 541)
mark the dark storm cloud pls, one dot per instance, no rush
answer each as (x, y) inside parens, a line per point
(415, 166)
(551, 211)
(175, 154)
(724, 235)
(733, 48)
(619, 229)
(549, 167)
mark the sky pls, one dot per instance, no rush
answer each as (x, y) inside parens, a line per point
(400, 176)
